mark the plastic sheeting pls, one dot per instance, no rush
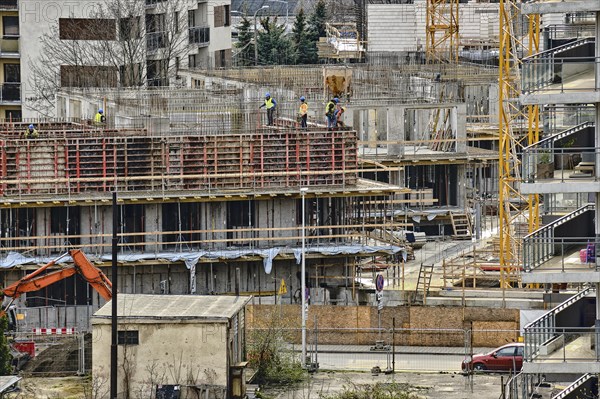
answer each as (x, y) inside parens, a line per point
(191, 258)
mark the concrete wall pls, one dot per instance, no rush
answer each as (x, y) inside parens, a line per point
(348, 325)
(401, 27)
(186, 352)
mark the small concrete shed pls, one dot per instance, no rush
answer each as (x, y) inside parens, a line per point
(173, 346)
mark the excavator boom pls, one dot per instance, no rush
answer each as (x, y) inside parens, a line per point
(81, 265)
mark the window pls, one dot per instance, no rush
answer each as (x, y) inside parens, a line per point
(10, 27)
(86, 29)
(129, 28)
(12, 73)
(509, 351)
(13, 115)
(227, 15)
(131, 75)
(128, 337)
(176, 21)
(191, 18)
(192, 61)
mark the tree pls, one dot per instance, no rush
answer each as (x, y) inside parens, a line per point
(245, 55)
(5, 356)
(120, 45)
(274, 48)
(304, 49)
(316, 29)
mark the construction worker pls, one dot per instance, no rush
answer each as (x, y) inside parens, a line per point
(339, 111)
(31, 132)
(270, 105)
(303, 113)
(99, 119)
(330, 114)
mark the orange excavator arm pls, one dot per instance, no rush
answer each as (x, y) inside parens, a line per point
(81, 265)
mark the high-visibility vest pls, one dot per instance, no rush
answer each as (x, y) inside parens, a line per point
(330, 108)
(303, 108)
(269, 103)
(99, 118)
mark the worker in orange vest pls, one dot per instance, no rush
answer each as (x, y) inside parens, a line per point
(303, 113)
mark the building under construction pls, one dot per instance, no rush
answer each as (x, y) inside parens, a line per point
(208, 196)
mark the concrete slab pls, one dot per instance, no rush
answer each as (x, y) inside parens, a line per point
(557, 6)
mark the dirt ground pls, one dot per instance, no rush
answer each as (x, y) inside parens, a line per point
(425, 385)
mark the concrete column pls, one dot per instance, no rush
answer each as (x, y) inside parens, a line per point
(42, 228)
(372, 128)
(459, 124)
(395, 130)
(152, 216)
(461, 186)
(86, 224)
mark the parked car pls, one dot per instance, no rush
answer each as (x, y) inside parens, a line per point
(505, 358)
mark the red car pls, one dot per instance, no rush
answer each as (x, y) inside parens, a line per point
(505, 358)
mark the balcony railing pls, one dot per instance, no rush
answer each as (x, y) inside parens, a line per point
(10, 92)
(578, 164)
(558, 32)
(557, 75)
(199, 35)
(152, 3)
(541, 245)
(9, 45)
(156, 40)
(540, 333)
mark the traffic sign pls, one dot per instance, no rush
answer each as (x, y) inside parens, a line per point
(379, 282)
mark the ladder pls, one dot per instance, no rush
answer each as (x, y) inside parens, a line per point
(424, 281)
(461, 224)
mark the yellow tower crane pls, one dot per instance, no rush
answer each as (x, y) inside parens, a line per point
(514, 121)
(442, 31)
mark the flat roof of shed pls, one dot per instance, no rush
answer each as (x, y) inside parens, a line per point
(211, 307)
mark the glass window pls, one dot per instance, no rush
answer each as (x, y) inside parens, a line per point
(10, 27)
(509, 351)
(128, 338)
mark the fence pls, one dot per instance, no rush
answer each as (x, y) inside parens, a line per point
(52, 354)
(391, 349)
(60, 316)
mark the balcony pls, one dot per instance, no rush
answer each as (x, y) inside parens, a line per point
(153, 3)
(552, 78)
(9, 46)
(556, 246)
(562, 340)
(10, 93)
(199, 35)
(156, 40)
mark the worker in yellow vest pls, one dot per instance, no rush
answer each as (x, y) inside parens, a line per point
(31, 132)
(99, 119)
(270, 105)
(303, 113)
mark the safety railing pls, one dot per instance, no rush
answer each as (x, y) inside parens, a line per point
(579, 31)
(199, 35)
(9, 44)
(10, 92)
(586, 381)
(557, 75)
(559, 164)
(541, 245)
(541, 334)
(557, 118)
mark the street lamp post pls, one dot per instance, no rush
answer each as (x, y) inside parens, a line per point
(255, 41)
(303, 278)
(286, 11)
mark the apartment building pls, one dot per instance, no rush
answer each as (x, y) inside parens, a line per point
(110, 44)
(10, 57)
(563, 167)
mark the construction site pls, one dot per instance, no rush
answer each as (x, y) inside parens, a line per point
(455, 206)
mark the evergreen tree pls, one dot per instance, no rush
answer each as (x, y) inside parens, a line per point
(274, 48)
(316, 29)
(317, 20)
(5, 356)
(304, 49)
(245, 55)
